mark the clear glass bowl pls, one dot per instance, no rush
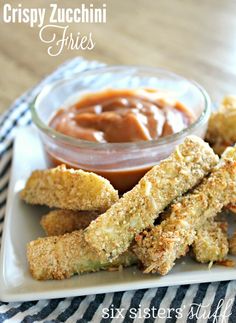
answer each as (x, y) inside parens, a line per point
(122, 163)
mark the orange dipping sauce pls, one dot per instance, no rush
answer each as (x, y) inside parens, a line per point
(120, 116)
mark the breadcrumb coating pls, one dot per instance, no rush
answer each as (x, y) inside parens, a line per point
(211, 242)
(69, 189)
(159, 247)
(112, 232)
(221, 131)
(232, 244)
(60, 257)
(59, 222)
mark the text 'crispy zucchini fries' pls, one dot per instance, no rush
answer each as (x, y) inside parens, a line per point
(162, 245)
(69, 189)
(59, 222)
(60, 257)
(112, 232)
(211, 242)
(221, 131)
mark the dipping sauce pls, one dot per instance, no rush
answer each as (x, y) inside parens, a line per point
(122, 115)
(119, 116)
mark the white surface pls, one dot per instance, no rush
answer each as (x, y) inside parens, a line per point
(22, 225)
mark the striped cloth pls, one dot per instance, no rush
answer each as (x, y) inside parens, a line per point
(208, 302)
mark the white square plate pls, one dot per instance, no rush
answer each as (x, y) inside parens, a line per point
(22, 225)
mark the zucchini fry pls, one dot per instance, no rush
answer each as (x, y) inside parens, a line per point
(159, 247)
(221, 131)
(60, 257)
(211, 242)
(112, 232)
(69, 189)
(59, 222)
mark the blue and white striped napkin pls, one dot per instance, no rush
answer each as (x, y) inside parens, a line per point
(208, 302)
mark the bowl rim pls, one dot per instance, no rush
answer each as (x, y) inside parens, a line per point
(103, 146)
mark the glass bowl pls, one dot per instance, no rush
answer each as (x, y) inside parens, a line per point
(122, 163)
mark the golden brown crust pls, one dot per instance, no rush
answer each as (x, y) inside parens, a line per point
(221, 131)
(211, 242)
(60, 257)
(112, 232)
(159, 247)
(59, 222)
(69, 189)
